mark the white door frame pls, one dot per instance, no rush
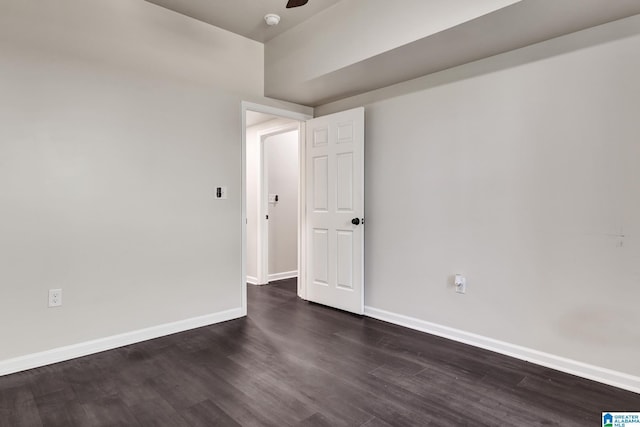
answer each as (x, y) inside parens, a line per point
(263, 200)
(302, 118)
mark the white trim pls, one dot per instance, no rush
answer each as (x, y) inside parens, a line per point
(275, 111)
(243, 208)
(252, 280)
(574, 367)
(302, 211)
(283, 275)
(262, 229)
(62, 354)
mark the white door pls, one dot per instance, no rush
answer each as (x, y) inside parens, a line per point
(335, 210)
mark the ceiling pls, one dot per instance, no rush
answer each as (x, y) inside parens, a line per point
(254, 118)
(521, 24)
(329, 50)
(246, 17)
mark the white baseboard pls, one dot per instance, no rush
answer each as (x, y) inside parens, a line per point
(273, 277)
(282, 276)
(574, 367)
(61, 354)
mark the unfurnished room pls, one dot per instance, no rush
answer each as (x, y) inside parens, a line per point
(319, 213)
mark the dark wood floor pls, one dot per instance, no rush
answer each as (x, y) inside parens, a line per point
(295, 363)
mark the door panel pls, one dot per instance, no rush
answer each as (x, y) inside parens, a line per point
(335, 196)
(344, 187)
(345, 259)
(320, 269)
(320, 184)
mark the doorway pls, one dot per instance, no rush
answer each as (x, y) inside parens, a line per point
(272, 186)
(330, 204)
(272, 198)
(278, 243)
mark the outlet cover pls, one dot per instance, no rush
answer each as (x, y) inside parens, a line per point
(55, 297)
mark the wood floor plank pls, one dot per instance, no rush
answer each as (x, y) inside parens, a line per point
(316, 420)
(18, 408)
(206, 414)
(376, 422)
(110, 411)
(292, 363)
(62, 414)
(157, 412)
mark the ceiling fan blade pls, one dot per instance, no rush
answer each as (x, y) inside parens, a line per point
(296, 3)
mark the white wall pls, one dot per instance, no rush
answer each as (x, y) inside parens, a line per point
(281, 154)
(118, 118)
(521, 172)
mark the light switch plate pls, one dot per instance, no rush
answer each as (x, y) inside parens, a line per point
(221, 193)
(461, 283)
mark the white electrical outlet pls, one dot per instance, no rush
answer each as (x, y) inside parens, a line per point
(55, 297)
(461, 283)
